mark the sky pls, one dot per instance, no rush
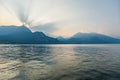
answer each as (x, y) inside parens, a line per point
(63, 17)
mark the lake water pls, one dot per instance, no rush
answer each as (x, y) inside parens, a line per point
(60, 62)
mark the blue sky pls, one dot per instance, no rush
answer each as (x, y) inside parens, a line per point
(63, 17)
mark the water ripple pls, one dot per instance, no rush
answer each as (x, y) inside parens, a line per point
(59, 62)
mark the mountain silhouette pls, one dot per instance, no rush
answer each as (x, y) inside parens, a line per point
(90, 38)
(23, 35)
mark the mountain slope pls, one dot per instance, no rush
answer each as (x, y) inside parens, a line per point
(41, 38)
(90, 38)
(22, 35)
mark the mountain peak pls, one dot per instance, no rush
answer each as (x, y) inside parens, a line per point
(6, 30)
(60, 38)
(39, 33)
(23, 35)
(24, 28)
(79, 34)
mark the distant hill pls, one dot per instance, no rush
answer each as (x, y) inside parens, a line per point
(90, 38)
(22, 35)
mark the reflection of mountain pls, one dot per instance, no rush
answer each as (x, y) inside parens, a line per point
(22, 35)
(89, 38)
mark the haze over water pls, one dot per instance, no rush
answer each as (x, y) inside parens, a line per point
(60, 62)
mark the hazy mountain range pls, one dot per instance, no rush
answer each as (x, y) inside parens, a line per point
(23, 35)
(89, 38)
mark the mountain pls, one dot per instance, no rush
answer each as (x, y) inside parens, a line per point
(60, 38)
(90, 38)
(41, 38)
(23, 35)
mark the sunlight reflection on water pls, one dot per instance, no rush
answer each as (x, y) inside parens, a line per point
(59, 62)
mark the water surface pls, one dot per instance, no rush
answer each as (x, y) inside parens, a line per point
(60, 62)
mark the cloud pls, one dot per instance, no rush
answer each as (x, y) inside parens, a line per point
(47, 28)
(101, 16)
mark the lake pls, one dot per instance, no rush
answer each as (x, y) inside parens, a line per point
(60, 62)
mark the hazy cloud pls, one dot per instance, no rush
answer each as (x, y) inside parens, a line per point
(47, 28)
(101, 16)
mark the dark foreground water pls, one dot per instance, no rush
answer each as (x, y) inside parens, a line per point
(60, 62)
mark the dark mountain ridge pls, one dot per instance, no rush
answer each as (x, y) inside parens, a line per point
(23, 35)
(90, 38)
